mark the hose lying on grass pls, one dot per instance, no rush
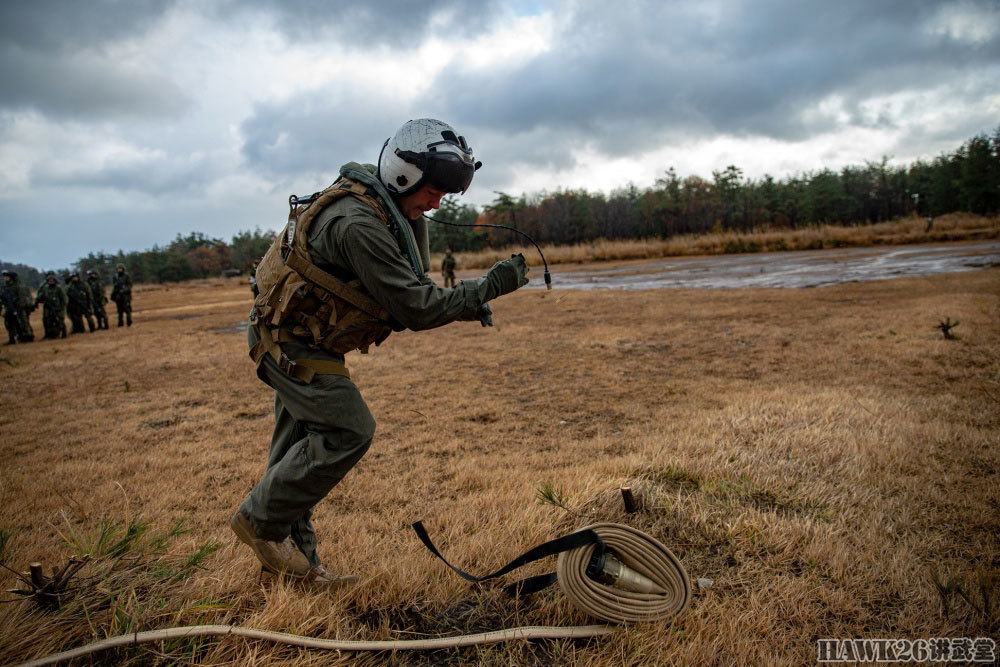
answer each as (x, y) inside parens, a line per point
(634, 549)
(527, 632)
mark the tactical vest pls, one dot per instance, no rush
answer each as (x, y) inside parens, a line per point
(299, 301)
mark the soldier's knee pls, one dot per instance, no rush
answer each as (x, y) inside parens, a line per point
(334, 453)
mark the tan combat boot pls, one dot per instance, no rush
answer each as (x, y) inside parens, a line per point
(283, 557)
(320, 576)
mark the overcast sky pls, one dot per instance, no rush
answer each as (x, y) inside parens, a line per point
(125, 123)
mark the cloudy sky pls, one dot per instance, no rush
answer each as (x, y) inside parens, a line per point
(124, 123)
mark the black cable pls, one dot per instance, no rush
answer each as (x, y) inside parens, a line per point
(548, 276)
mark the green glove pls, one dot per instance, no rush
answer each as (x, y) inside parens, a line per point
(507, 276)
(485, 315)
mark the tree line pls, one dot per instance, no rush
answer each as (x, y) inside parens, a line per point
(967, 179)
(186, 257)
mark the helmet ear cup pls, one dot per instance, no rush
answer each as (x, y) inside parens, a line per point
(426, 150)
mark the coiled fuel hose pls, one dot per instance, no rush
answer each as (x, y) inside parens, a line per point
(640, 580)
(661, 591)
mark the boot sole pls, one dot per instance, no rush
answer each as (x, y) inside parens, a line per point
(339, 582)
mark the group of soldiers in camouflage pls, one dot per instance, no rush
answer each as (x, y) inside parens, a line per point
(80, 300)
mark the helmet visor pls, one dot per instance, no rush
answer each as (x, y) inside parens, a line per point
(444, 169)
(449, 172)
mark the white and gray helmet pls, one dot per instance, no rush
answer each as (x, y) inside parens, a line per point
(426, 151)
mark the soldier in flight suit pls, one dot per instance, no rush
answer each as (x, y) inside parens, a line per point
(53, 299)
(358, 243)
(78, 296)
(97, 298)
(10, 298)
(448, 268)
(121, 294)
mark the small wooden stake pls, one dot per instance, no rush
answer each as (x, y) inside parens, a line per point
(37, 577)
(631, 504)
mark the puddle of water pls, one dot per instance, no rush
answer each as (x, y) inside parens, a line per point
(239, 327)
(806, 268)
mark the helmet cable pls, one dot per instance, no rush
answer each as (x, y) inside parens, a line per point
(548, 276)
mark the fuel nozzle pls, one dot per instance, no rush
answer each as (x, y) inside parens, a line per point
(607, 569)
(548, 279)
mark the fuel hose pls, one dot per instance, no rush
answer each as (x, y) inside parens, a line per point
(609, 571)
(133, 639)
(669, 595)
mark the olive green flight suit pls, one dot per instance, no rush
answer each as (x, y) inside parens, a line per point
(323, 428)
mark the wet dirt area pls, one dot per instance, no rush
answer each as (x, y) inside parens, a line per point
(805, 268)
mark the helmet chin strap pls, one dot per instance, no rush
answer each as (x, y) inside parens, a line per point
(548, 276)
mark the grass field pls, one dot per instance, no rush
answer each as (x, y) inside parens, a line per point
(824, 456)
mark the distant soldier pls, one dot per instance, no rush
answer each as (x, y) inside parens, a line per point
(121, 294)
(53, 298)
(10, 298)
(448, 268)
(27, 308)
(78, 305)
(97, 298)
(253, 280)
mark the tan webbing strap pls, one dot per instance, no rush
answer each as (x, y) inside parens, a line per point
(319, 367)
(330, 283)
(303, 369)
(299, 260)
(341, 188)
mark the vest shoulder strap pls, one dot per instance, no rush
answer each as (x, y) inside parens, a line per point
(299, 259)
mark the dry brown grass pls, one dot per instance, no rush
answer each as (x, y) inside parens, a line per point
(952, 227)
(817, 453)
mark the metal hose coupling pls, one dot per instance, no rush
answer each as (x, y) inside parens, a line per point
(607, 569)
(635, 579)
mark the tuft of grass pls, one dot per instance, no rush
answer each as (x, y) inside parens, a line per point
(109, 538)
(549, 494)
(194, 561)
(678, 475)
(979, 598)
(158, 542)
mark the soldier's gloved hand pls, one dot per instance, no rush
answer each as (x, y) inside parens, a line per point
(507, 275)
(485, 315)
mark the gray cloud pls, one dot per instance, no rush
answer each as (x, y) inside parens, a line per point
(659, 70)
(147, 175)
(54, 60)
(399, 24)
(314, 137)
(87, 86)
(68, 25)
